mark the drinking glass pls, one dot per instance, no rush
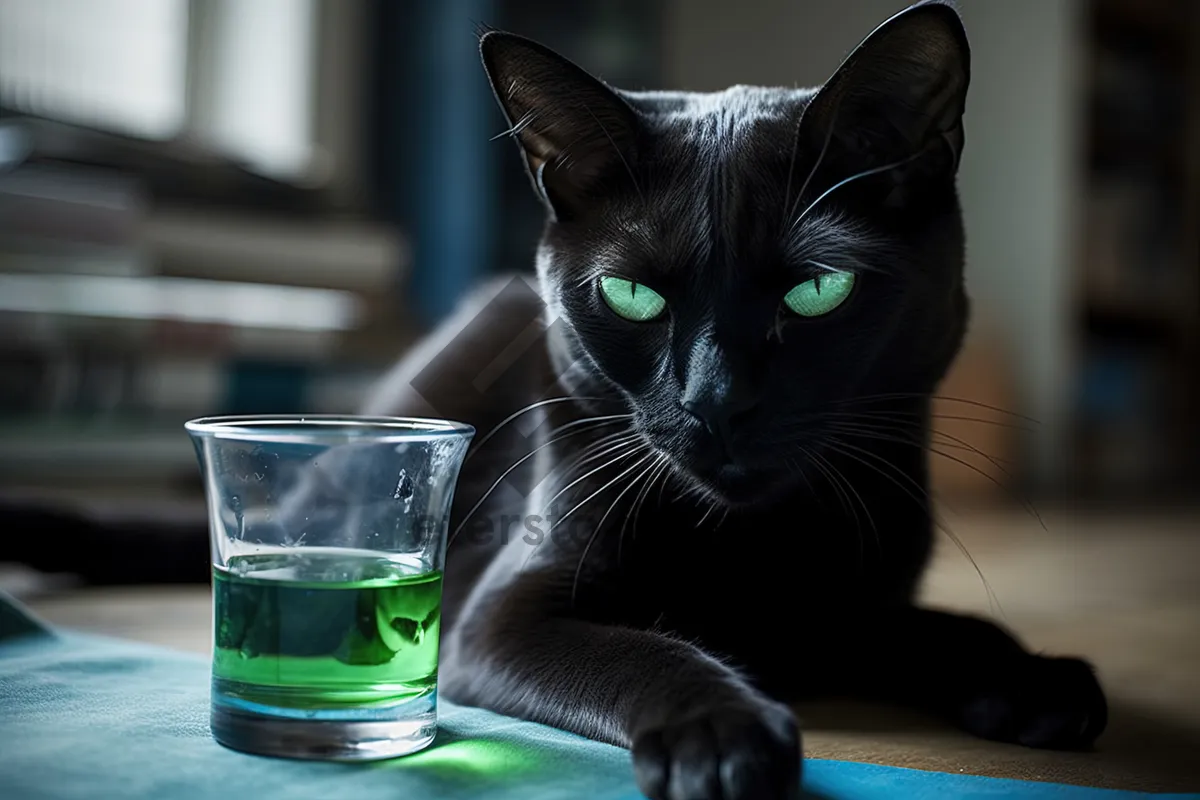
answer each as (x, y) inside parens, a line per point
(328, 542)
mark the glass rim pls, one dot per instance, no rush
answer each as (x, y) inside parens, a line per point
(326, 427)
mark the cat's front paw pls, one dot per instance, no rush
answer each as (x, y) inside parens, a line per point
(743, 752)
(1047, 703)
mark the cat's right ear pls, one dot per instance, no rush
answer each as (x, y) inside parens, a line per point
(576, 135)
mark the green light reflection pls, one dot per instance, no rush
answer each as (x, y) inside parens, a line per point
(475, 758)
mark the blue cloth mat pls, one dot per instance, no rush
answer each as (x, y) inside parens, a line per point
(93, 718)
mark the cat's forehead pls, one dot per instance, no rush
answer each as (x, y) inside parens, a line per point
(738, 116)
(727, 142)
(748, 100)
(713, 175)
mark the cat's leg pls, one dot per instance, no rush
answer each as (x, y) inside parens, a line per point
(979, 676)
(696, 729)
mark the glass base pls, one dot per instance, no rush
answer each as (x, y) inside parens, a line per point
(325, 735)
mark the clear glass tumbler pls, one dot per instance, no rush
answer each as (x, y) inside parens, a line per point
(328, 542)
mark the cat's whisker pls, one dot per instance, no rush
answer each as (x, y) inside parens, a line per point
(880, 398)
(596, 422)
(617, 150)
(843, 447)
(603, 519)
(1025, 503)
(988, 406)
(843, 500)
(997, 423)
(910, 420)
(531, 407)
(665, 476)
(911, 434)
(695, 490)
(845, 488)
(954, 442)
(877, 435)
(516, 129)
(592, 451)
(790, 204)
(662, 476)
(799, 469)
(822, 466)
(656, 469)
(915, 419)
(861, 502)
(962, 444)
(629, 448)
(839, 445)
(864, 174)
(587, 499)
(724, 516)
(632, 449)
(885, 434)
(838, 480)
(603, 418)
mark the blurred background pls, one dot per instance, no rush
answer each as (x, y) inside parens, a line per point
(243, 206)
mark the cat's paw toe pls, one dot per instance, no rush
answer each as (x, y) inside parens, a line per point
(1046, 703)
(740, 753)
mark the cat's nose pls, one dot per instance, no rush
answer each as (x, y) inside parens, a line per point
(716, 391)
(714, 417)
(707, 415)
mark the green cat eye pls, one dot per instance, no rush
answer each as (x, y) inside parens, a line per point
(630, 300)
(820, 295)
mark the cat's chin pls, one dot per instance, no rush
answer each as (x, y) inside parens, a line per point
(735, 486)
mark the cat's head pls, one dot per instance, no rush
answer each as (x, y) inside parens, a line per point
(737, 266)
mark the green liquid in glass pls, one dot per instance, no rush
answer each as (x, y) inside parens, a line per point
(325, 629)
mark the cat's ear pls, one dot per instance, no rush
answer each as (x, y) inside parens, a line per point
(898, 97)
(576, 135)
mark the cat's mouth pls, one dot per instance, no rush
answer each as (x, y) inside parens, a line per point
(738, 485)
(721, 473)
(734, 484)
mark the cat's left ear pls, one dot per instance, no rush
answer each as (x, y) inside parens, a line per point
(576, 134)
(898, 97)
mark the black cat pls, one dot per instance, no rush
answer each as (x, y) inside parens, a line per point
(748, 298)
(700, 486)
